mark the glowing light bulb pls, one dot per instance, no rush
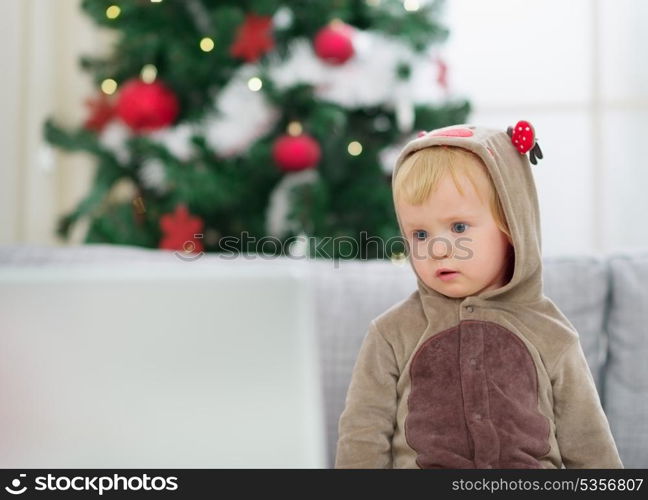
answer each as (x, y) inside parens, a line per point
(354, 148)
(113, 12)
(206, 44)
(411, 5)
(398, 258)
(255, 84)
(295, 128)
(108, 86)
(149, 73)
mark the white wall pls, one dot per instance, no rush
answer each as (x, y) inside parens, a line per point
(40, 44)
(577, 71)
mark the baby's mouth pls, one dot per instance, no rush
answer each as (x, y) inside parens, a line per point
(446, 274)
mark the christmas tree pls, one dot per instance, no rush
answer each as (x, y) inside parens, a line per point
(272, 119)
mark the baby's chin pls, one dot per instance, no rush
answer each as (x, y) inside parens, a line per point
(449, 291)
(457, 295)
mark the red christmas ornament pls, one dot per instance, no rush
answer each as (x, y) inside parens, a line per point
(102, 111)
(333, 43)
(145, 107)
(524, 140)
(254, 38)
(182, 231)
(295, 153)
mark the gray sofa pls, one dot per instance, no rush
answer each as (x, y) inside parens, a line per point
(606, 299)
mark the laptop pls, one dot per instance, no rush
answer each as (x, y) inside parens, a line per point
(159, 366)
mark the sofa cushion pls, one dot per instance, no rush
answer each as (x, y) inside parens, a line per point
(349, 294)
(579, 287)
(626, 377)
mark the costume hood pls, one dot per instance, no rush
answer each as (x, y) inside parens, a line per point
(513, 180)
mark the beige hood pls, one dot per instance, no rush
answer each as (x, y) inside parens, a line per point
(513, 180)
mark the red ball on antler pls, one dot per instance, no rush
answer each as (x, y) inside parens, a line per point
(524, 140)
(523, 136)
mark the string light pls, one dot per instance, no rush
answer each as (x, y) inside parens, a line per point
(206, 44)
(255, 84)
(398, 258)
(109, 86)
(156, 1)
(295, 128)
(113, 12)
(355, 148)
(411, 5)
(149, 73)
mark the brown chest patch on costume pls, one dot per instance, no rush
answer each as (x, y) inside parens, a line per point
(474, 401)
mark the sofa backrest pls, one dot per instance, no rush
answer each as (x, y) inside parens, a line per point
(625, 377)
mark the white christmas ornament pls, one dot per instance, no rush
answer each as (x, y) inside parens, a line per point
(299, 247)
(404, 107)
(114, 137)
(177, 140)
(152, 175)
(283, 18)
(240, 115)
(280, 203)
(368, 79)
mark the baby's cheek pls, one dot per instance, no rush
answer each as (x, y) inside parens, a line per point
(422, 266)
(419, 250)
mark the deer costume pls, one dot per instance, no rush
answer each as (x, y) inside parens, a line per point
(494, 380)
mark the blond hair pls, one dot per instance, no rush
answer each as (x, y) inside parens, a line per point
(419, 175)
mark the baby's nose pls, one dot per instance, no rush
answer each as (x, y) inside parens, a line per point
(440, 248)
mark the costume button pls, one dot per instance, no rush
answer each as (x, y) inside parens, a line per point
(488, 466)
(473, 361)
(469, 309)
(477, 416)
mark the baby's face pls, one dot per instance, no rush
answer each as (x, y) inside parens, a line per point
(459, 233)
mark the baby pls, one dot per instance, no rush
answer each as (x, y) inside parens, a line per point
(477, 368)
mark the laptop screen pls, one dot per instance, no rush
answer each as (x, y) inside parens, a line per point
(158, 366)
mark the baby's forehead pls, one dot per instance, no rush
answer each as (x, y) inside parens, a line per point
(444, 205)
(462, 189)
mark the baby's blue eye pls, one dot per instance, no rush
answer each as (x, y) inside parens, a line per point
(460, 227)
(420, 234)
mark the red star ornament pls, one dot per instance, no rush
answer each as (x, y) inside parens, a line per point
(254, 38)
(182, 231)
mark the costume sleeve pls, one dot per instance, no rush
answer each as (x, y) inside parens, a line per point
(367, 423)
(582, 429)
